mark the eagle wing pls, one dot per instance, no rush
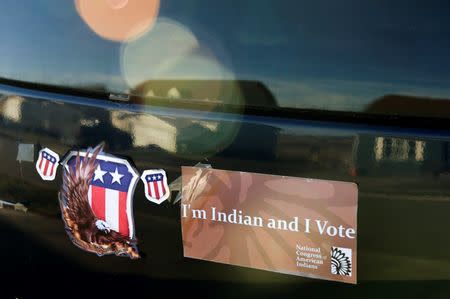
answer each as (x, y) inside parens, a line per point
(76, 188)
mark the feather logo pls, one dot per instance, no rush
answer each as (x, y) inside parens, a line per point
(96, 202)
(341, 261)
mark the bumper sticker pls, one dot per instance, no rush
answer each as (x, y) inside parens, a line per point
(47, 164)
(96, 201)
(155, 185)
(297, 226)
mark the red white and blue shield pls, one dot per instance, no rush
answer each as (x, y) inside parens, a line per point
(111, 191)
(155, 184)
(47, 164)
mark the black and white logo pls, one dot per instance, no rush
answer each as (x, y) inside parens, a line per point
(341, 261)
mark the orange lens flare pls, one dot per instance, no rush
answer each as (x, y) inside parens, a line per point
(118, 20)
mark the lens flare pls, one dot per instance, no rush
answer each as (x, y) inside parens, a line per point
(118, 20)
(171, 52)
(170, 65)
(118, 4)
(148, 57)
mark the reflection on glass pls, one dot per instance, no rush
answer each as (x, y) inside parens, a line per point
(346, 57)
(118, 20)
(170, 62)
(170, 51)
(156, 52)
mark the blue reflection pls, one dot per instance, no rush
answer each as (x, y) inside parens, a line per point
(311, 54)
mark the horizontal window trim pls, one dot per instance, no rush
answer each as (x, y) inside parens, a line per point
(362, 118)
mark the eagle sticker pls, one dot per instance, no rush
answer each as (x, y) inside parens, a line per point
(96, 201)
(47, 164)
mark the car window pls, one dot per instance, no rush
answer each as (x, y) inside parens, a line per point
(372, 56)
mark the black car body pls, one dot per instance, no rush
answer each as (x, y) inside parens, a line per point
(345, 91)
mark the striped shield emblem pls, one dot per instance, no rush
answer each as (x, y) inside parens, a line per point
(47, 164)
(111, 191)
(155, 185)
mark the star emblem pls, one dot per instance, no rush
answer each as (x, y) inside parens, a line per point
(98, 174)
(116, 176)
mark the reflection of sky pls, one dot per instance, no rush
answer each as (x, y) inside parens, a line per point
(320, 54)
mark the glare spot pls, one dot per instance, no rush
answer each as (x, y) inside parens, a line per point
(117, 4)
(170, 55)
(118, 20)
(160, 49)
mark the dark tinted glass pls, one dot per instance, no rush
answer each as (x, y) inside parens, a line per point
(373, 56)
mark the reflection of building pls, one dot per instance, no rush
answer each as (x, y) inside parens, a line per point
(396, 149)
(409, 156)
(175, 135)
(213, 92)
(146, 130)
(390, 155)
(407, 105)
(198, 136)
(11, 108)
(83, 126)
